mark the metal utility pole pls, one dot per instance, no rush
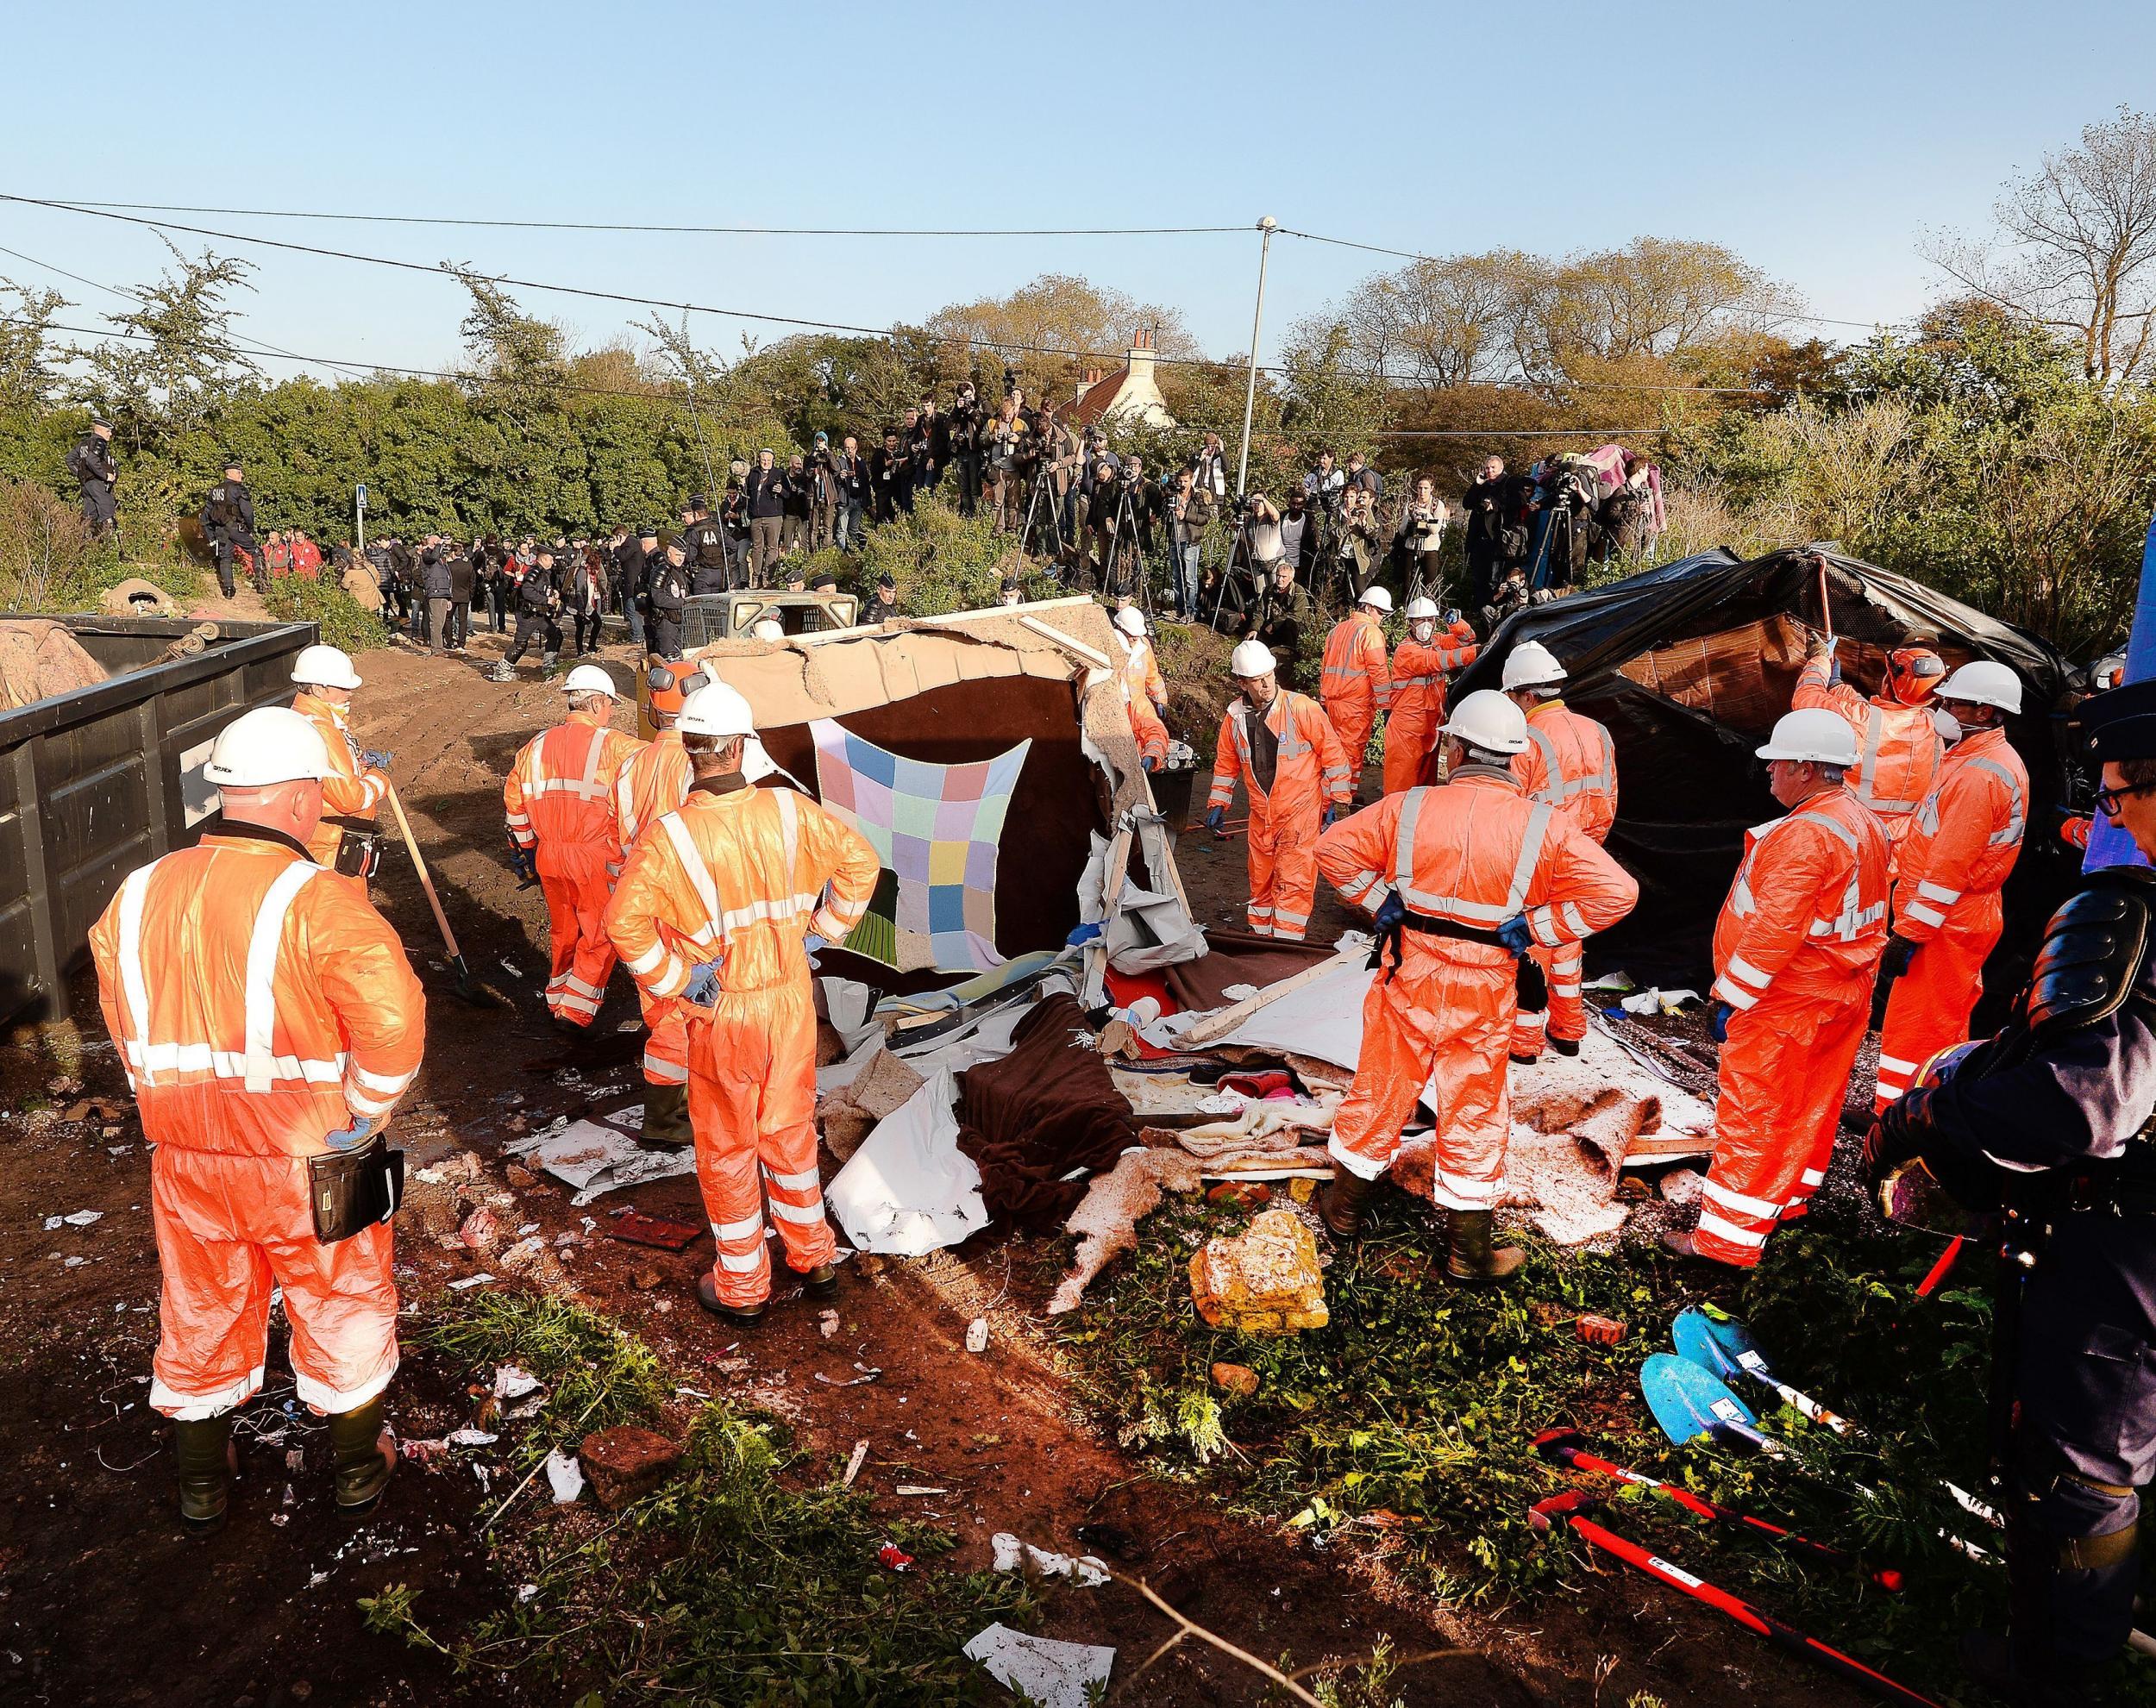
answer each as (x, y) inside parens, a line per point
(358, 515)
(1268, 225)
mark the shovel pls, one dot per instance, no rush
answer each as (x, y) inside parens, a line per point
(467, 989)
(1688, 1400)
(1718, 1342)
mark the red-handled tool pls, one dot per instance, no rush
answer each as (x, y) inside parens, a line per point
(1568, 1448)
(1568, 1508)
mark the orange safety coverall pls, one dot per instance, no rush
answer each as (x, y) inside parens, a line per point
(1967, 836)
(559, 802)
(1355, 685)
(655, 781)
(1898, 747)
(350, 791)
(1571, 763)
(1418, 708)
(1146, 728)
(257, 1008)
(1797, 949)
(739, 877)
(1475, 851)
(1141, 670)
(1310, 769)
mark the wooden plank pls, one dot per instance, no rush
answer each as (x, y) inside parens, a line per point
(1219, 1025)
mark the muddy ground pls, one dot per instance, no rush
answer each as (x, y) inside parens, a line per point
(102, 1602)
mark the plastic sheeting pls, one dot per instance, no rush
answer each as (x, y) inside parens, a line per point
(908, 1190)
(1689, 664)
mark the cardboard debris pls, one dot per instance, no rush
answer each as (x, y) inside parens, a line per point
(1044, 1672)
(1013, 1554)
(879, 1089)
(595, 1159)
(1106, 1220)
(1264, 1281)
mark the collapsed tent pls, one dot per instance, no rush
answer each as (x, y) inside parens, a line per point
(1690, 665)
(981, 753)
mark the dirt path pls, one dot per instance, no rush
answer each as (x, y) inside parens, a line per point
(103, 1603)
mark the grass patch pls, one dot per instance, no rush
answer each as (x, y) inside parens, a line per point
(751, 1578)
(1404, 1426)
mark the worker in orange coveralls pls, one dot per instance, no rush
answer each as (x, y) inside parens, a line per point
(1463, 878)
(654, 781)
(1296, 777)
(358, 780)
(1898, 744)
(560, 800)
(716, 907)
(1796, 948)
(1947, 914)
(268, 1022)
(1571, 762)
(1357, 682)
(1420, 664)
(1140, 669)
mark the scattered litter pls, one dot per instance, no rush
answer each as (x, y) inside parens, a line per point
(1609, 981)
(525, 1591)
(81, 1218)
(511, 1383)
(74, 1263)
(457, 1286)
(1041, 1670)
(1599, 1330)
(471, 1437)
(917, 1488)
(977, 1335)
(636, 1228)
(893, 1556)
(594, 1160)
(1013, 1554)
(1655, 1001)
(852, 1465)
(867, 1375)
(827, 1321)
(295, 1459)
(566, 1475)
(1682, 1186)
(511, 968)
(480, 1231)
(909, 1190)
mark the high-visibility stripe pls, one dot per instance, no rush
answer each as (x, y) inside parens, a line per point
(575, 1004)
(807, 1181)
(797, 1214)
(1937, 893)
(700, 874)
(1894, 1064)
(640, 965)
(1813, 1177)
(323, 1398)
(1458, 908)
(668, 1072)
(1457, 1191)
(742, 1265)
(1751, 974)
(1574, 921)
(1735, 994)
(148, 1060)
(671, 980)
(136, 987)
(1739, 1202)
(260, 1001)
(191, 1408)
(625, 799)
(385, 1085)
(1362, 1167)
(1722, 1228)
(1353, 888)
(581, 987)
(1925, 914)
(2015, 815)
(748, 1228)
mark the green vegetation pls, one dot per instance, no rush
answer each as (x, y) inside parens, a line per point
(343, 621)
(1405, 1427)
(751, 1577)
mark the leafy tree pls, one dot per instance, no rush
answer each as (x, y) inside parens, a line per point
(176, 363)
(28, 377)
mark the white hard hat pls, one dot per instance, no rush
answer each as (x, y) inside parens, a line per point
(1983, 684)
(269, 745)
(1531, 665)
(1251, 658)
(325, 668)
(716, 709)
(1377, 598)
(1419, 609)
(770, 628)
(1486, 719)
(589, 679)
(1816, 734)
(1131, 621)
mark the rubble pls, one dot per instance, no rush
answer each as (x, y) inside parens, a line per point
(626, 1462)
(1264, 1281)
(1237, 1378)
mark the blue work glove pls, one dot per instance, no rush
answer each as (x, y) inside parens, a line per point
(522, 863)
(1330, 813)
(703, 987)
(1390, 912)
(375, 760)
(352, 1137)
(1217, 820)
(812, 942)
(1718, 1022)
(1150, 764)
(1515, 935)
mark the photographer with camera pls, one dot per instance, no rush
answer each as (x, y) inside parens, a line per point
(763, 495)
(1002, 439)
(849, 479)
(928, 441)
(823, 494)
(967, 419)
(1420, 539)
(1189, 512)
(1284, 618)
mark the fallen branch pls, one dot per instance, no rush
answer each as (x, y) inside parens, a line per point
(1189, 1627)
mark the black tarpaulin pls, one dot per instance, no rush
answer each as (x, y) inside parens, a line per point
(1688, 665)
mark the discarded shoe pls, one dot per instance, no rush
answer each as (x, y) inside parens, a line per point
(1471, 1258)
(707, 1296)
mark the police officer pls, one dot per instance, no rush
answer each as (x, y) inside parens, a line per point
(705, 543)
(538, 600)
(228, 523)
(2052, 1119)
(90, 463)
(666, 590)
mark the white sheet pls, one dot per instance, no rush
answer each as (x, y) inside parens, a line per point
(909, 1190)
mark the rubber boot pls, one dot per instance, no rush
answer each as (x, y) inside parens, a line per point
(666, 1115)
(822, 1281)
(204, 1448)
(1340, 1205)
(1565, 1046)
(1471, 1258)
(744, 1316)
(364, 1454)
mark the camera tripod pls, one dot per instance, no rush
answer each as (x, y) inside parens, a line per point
(1043, 483)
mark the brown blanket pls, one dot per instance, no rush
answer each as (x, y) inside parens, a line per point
(1237, 957)
(1044, 1109)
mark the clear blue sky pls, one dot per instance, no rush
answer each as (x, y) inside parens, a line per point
(1820, 141)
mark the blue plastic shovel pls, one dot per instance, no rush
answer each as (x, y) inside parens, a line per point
(1688, 1400)
(1717, 1341)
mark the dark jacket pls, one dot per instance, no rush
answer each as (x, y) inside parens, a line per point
(463, 577)
(705, 543)
(767, 491)
(1288, 624)
(539, 590)
(629, 571)
(229, 512)
(434, 574)
(92, 460)
(851, 474)
(666, 586)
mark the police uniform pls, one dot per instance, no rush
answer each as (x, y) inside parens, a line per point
(668, 589)
(90, 463)
(228, 523)
(538, 597)
(705, 543)
(2055, 1118)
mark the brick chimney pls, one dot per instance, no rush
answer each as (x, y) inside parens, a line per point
(1140, 356)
